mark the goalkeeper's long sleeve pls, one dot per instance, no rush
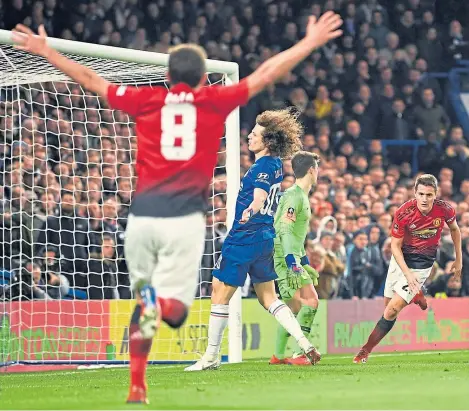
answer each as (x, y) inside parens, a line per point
(286, 235)
(291, 223)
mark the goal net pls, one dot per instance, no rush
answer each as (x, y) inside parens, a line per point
(67, 177)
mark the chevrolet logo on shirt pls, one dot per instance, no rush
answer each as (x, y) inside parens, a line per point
(425, 233)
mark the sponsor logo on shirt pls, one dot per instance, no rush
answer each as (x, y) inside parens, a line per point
(262, 177)
(425, 234)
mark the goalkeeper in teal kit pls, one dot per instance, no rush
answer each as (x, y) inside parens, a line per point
(296, 278)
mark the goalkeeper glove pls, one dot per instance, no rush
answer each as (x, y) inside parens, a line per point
(310, 270)
(294, 272)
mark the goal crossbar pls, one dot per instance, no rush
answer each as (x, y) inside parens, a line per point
(122, 54)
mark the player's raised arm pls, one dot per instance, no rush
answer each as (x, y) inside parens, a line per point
(318, 33)
(25, 39)
(456, 266)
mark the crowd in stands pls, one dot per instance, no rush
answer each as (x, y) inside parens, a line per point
(66, 173)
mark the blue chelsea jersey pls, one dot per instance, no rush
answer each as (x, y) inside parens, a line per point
(265, 173)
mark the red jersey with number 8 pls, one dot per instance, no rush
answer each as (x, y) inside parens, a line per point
(178, 137)
(421, 232)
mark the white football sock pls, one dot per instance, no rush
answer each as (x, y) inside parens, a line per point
(216, 326)
(287, 320)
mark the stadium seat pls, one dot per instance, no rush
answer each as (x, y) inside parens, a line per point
(75, 294)
(5, 277)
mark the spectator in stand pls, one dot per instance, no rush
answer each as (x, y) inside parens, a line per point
(429, 117)
(338, 248)
(57, 285)
(396, 124)
(456, 158)
(69, 233)
(378, 30)
(359, 282)
(431, 49)
(354, 136)
(100, 280)
(332, 270)
(38, 284)
(376, 271)
(463, 191)
(456, 45)
(322, 104)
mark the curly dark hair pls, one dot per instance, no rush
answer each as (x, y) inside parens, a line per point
(283, 131)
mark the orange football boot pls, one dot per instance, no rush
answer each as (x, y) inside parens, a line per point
(277, 361)
(137, 395)
(361, 357)
(300, 360)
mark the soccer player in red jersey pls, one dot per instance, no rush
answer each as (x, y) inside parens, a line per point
(178, 136)
(416, 233)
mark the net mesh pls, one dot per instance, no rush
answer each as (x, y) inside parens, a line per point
(67, 178)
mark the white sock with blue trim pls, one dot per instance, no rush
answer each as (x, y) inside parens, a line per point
(287, 320)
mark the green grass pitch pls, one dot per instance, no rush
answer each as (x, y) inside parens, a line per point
(401, 381)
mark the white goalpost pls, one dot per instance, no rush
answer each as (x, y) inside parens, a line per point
(66, 181)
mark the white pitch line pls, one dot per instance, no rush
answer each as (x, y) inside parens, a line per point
(104, 366)
(325, 358)
(340, 357)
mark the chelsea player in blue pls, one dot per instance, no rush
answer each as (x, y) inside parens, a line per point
(248, 248)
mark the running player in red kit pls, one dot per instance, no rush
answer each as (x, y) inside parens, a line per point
(178, 136)
(416, 233)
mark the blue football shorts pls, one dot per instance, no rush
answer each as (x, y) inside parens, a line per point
(237, 261)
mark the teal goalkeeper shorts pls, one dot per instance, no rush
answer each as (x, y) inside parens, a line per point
(281, 269)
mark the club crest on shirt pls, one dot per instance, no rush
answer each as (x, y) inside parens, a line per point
(437, 222)
(290, 215)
